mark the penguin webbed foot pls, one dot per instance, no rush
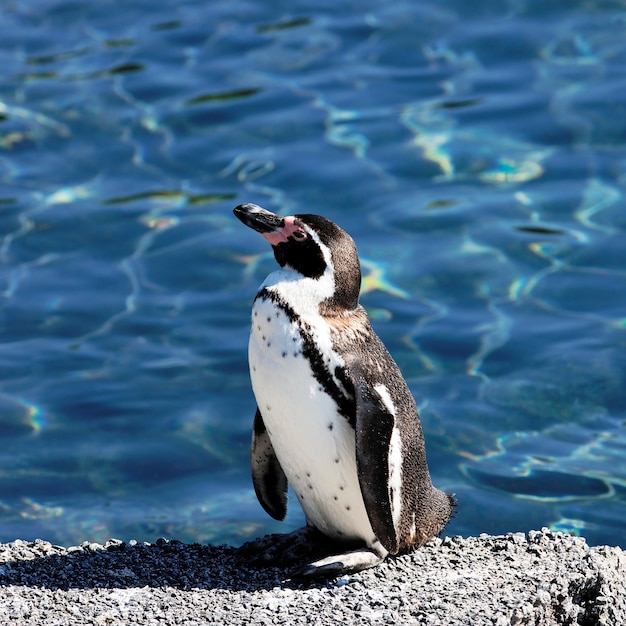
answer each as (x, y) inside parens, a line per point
(283, 550)
(315, 553)
(339, 564)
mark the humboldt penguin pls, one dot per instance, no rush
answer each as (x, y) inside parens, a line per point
(335, 419)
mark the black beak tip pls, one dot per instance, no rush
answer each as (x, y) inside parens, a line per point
(241, 210)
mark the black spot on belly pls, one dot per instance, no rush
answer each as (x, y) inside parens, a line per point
(284, 354)
(310, 486)
(337, 460)
(347, 507)
(331, 426)
(342, 393)
(335, 498)
(269, 319)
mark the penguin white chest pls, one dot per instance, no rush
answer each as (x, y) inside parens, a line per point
(313, 441)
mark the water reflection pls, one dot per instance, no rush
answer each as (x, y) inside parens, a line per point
(474, 152)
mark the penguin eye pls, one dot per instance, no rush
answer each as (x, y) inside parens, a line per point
(299, 235)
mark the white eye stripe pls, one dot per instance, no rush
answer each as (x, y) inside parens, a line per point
(324, 248)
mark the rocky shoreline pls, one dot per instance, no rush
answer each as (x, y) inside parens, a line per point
(541, 578)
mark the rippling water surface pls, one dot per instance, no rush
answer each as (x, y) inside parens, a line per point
(475, 151)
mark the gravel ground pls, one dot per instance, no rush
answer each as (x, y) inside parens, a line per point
(542, 578)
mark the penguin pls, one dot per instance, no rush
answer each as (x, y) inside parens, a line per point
(335, 419)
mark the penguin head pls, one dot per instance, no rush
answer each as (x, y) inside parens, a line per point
(313, 247)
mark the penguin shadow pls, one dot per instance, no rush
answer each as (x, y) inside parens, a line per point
(123, 565)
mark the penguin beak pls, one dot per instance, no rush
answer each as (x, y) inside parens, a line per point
(263, 221)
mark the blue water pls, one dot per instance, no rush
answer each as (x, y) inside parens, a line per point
(475, 151)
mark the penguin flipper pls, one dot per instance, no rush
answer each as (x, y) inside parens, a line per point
(375, 424)
(268, 477)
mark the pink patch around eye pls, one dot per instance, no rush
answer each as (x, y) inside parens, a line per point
(279, 236)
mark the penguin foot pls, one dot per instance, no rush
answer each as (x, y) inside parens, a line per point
(283, 550)
(339, 564)
(317, 551)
